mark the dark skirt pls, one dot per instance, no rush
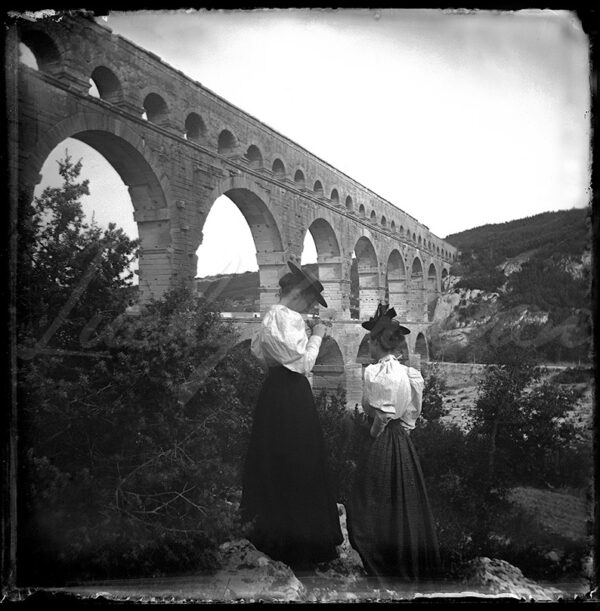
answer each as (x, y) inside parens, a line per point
(389, 517)
(286, 490)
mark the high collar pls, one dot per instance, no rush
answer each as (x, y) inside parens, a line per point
(387, 358)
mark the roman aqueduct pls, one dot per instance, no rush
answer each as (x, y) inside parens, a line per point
(178, 147)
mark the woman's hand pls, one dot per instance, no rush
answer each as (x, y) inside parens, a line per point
(320, 329)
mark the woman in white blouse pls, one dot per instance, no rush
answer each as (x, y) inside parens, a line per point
(389, 517)
(287, 500)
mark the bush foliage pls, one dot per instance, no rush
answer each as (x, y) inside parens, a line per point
(136, 456)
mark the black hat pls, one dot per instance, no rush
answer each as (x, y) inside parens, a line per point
(383, 319)
(309, 282)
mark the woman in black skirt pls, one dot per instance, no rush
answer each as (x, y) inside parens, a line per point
(389, 517)
(286, 497)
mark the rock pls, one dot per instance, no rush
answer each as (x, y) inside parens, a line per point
(499, 577)
(553, 556)
(246, 573)
(588, 566)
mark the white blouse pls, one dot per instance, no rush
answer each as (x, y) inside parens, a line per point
(282, 340)
(392, 391)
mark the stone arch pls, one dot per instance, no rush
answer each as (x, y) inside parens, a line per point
(255, 206)
(367, 269)
(328, 261)
(326, 242)
(444, 280)
(278, 169)
(373, 216)
(318, 188)
(401, 230)
(254, 157)
(383, 221)
(226, 143)
(396, 286)
(108, 85)
(155, 108)
(143, 174)
(414, 237)
(299, 179)
(328, 373)
(432, 277)
(44, 49)
(349, 204)
(393, 227)
(334, 197)
(195, 128)
(416, 290)
(361, 210)
(416, 268)
(421, 347)
(432, 291)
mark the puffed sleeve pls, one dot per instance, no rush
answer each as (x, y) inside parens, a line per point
(283, 340)
(366, 405)
(256, 348)
(416, 388)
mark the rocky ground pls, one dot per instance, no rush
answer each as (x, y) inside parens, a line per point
(247, 575)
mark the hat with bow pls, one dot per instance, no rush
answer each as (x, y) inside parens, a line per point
(384, 319)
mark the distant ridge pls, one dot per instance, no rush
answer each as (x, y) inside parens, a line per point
(565, 232)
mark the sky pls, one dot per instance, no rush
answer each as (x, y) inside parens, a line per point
(458, 118)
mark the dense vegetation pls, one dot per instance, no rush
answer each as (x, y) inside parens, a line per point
(564, 233)
(517, 436)
(545, 239)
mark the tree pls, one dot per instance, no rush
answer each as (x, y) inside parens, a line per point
(59, 254)
(433, 394)
(521, 418)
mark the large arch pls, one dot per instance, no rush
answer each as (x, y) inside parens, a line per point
(328, 261)
(328, 372)
(368, 277)
(255, 207)
(421, 347)
(444, 280)
(396, 284)
(148, 188)
(432, 292)
(416, 290)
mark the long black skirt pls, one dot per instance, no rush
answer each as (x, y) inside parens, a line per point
(390, 523)
(286, 494)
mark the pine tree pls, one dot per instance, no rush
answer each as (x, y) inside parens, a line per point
(68, 270)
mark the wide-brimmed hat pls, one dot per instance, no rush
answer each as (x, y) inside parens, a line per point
(309, 283)
(384, 319)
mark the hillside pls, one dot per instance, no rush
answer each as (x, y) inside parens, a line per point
(486, 250)
(521, 284)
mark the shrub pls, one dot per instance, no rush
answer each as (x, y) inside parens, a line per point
(131, 462)
(345, 433)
